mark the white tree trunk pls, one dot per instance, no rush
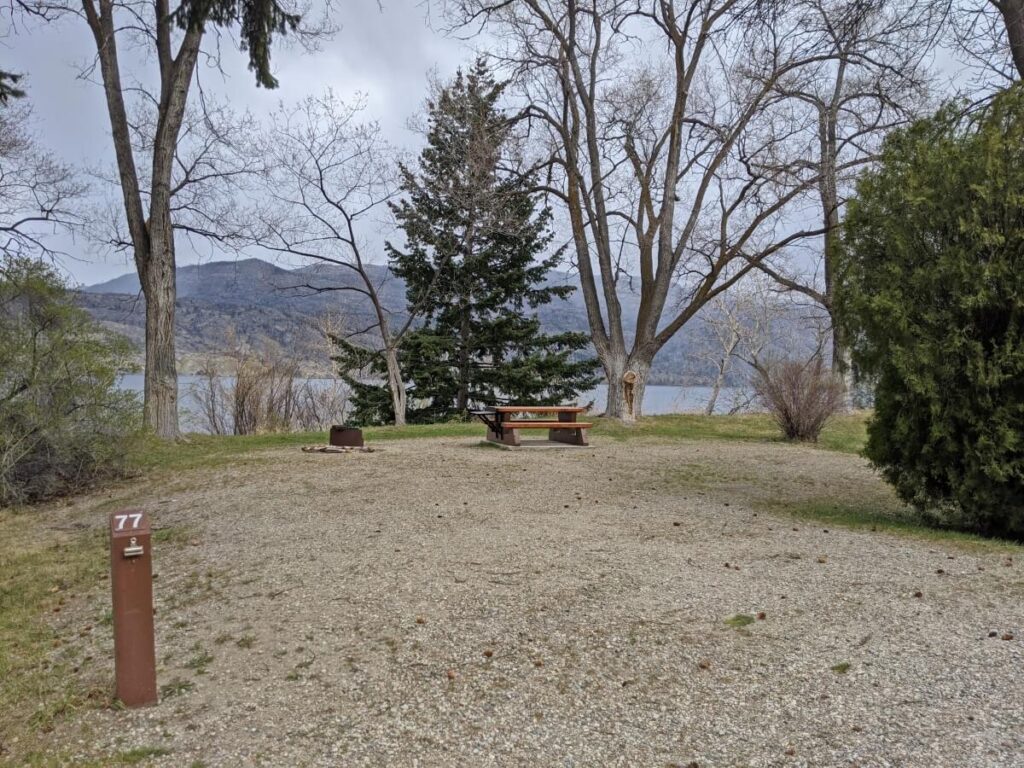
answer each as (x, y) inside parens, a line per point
(716, 388)
(396, 385)
(627, 383)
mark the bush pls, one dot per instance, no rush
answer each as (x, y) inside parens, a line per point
(64, 423)
(801, 395)
(933, 296)
(264, 392)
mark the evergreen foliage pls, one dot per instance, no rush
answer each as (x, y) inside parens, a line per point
(63, 421)
(258, 20)
(474, 263)
(933, 295)
(9, 87)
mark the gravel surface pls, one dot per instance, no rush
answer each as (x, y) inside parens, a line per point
(443, 603)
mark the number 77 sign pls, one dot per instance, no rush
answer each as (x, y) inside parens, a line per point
(131, 584)
(128, 520)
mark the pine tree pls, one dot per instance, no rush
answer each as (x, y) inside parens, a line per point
(474, 264)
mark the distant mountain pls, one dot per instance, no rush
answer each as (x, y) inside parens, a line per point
(251, 300)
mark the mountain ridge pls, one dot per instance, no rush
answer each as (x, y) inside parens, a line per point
(250, 300)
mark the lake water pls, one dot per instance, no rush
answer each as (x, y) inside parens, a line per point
(657, 400)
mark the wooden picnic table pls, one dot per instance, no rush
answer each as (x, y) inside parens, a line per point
(505, 421)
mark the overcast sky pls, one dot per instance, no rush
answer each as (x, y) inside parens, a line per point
(385, 52)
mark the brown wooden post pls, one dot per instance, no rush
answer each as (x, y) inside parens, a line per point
(131, 584)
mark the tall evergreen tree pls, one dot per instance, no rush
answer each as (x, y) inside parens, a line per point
(474, 264)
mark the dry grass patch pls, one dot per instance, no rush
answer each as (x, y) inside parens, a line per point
(41, 569)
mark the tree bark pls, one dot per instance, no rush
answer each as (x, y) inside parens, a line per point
(716, 388)
(396, 385)
(627, 382)
(160, 394)
(462, 398)
(152, 238)
(1013, 17)
(829, 193)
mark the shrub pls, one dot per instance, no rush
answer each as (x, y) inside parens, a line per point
(64, 423)
(801, 395)
(264, 392)
(932, 294)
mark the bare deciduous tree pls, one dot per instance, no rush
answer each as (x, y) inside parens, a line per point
(652, 114)
(38, 193)
(870, 80)
(330, 176)
(172, 37)
(213, 170)
(1012, 12)
(990, 34)
(741, 324)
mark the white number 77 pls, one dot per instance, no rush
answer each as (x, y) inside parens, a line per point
(136, 518)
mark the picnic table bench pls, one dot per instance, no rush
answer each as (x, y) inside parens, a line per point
(505, 421)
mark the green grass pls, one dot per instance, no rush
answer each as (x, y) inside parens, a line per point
(844, 433)
(172, 534)
(197, 451)
(37, 573)
(139, 755)
(176, 687)
(136, 756)
(895, 518)
(200, 661)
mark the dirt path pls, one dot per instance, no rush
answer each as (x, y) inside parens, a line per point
(440, 603)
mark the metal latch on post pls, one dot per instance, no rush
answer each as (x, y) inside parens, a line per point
(134, 549)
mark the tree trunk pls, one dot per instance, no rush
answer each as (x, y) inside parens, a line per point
(153, 239)
(627, 382)
(716, 388)
(1013, 16)
(841, 365)
(462, 399)
(828, 190)
(396, 384)
(160, 402)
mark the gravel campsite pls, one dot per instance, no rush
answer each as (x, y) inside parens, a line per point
(441, 602)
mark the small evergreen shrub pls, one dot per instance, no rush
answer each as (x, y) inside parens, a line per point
(932, 292)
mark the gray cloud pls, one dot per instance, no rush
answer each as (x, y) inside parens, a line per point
(384, 53)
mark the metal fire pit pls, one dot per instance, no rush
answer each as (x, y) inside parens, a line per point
(349, 436)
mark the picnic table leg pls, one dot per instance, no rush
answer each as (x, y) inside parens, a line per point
(508, 436)
(568, 434)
